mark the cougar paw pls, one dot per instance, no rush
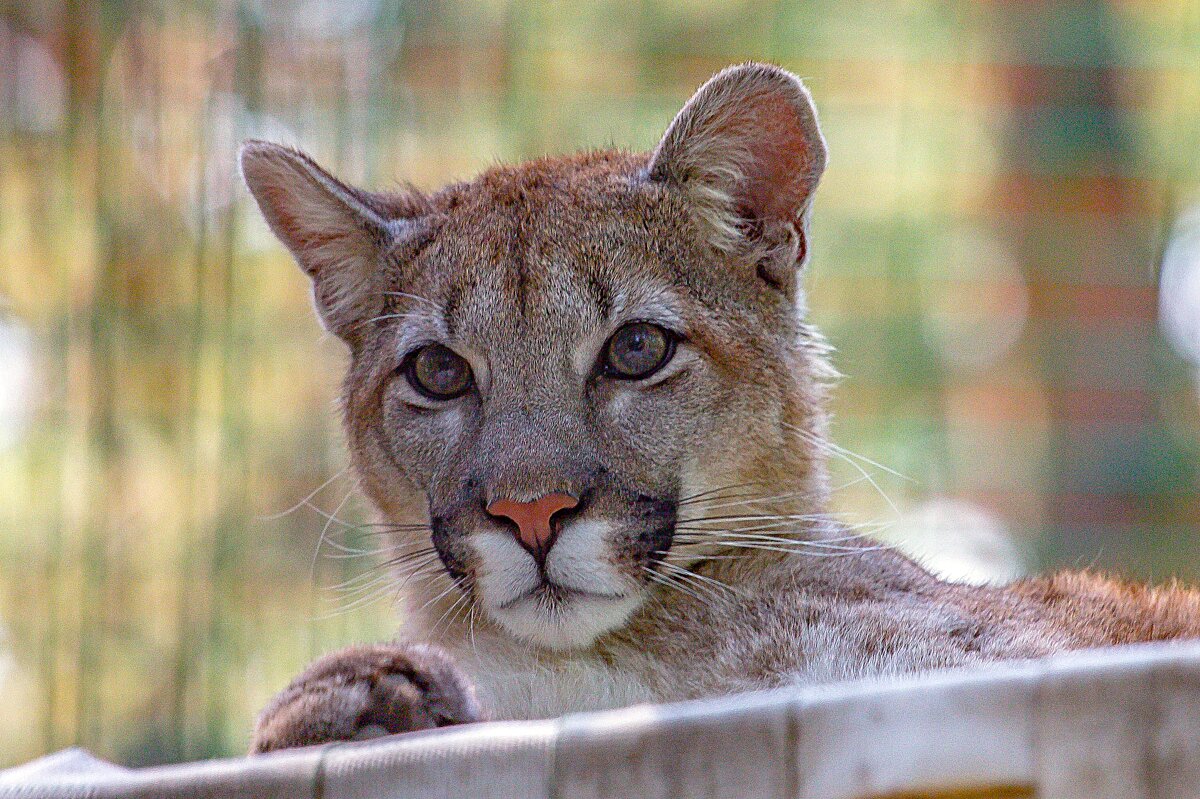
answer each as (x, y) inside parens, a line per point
(365, 692)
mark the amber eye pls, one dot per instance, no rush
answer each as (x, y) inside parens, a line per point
(438, 372)
(638, 350)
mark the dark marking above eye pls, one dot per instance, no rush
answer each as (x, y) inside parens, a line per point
(450, 307)
(601, 297)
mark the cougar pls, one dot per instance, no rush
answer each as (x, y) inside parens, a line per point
(585, 403)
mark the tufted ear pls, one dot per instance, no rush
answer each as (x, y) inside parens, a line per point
(335, 232)
(747, 150)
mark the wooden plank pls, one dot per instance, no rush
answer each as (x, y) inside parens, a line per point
(724, 749)
(962, 733)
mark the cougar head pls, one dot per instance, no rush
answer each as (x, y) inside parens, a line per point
(554, 365)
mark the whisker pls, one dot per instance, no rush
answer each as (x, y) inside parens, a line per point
(307, 499)
(383, 528)
(446, 615)
(359, 583)
(843, 453)
(426, 571)
(868, 461)
(429, 602)
(471, 615)
(369, 598)
(347, 552)
(422, 571)
(431, 303)
(701, 495)
(797, 550)
(332, 517)
(667, 582)
(402, 567)
(691, 575)
(406, 557)
(362, 582)
(752, 500)
(754, 517)
(312, 568)
(384, 318)
(383, 573)
(800, 543)
(779, 526)
(848, 484)
(376, 576)
(757, 532)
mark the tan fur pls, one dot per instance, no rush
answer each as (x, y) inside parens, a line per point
(700, 560)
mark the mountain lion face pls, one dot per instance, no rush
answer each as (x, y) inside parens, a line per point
(561, 372)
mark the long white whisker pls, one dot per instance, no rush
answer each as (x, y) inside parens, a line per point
(404, 549)
(446, 615)
(384, 318)
(668, 582)
(368, 598)
(429, 602)
(794, 550)
(755, 517)
(853, 464)
(779, 526)
(698, 497)
(312, 569)
(431, 303)
(799, 543)
(471, 615)
(307, 499)
(370, 594)
(332, 518)
(842, 450)
(688, 574)
(356, 585)
(365, 580)
(753, 500)
(849, 457)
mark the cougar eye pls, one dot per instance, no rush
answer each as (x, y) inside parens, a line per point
(638, 350)
(438, 372)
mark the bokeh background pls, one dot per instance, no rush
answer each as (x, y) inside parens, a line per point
(1006, 255)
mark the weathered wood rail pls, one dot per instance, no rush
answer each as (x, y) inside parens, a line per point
(1121, 723)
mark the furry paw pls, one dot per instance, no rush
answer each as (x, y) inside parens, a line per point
(364, 692)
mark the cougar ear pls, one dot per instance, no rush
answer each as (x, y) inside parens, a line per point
(747, 150)
(335, 232)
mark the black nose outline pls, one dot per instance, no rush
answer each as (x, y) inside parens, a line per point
(443, 536)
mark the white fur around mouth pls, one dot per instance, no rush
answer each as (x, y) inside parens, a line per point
(572, 622)
(578, 597)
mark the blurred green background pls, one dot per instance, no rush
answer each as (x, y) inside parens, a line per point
(1006, 255)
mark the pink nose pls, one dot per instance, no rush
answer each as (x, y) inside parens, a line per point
(534, 531)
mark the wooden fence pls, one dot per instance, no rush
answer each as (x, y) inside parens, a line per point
(1105, 724)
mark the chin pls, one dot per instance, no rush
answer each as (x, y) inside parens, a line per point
(566, 619)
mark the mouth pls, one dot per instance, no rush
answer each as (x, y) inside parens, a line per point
(589, 584)
(551, 594)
